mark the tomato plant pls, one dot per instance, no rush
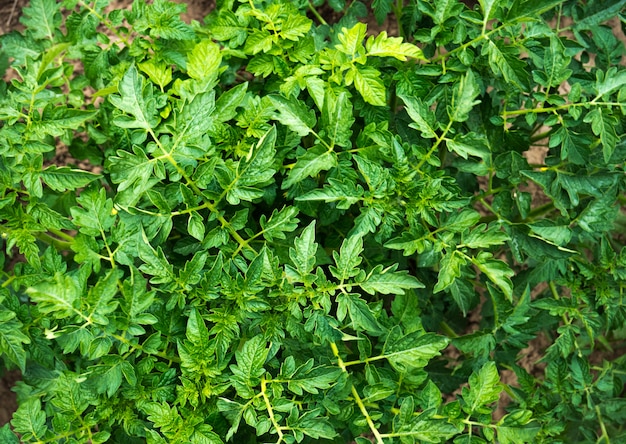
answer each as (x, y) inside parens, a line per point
(274, 227)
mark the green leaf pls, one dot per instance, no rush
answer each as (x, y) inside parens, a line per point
(204, 61)
(42, 18)
(295, 26)
(197, 331)
(351, 40)
(484, 389)
(310, 164)
(135, 98)
(343, 194)
(159, 73)
(294, 114)
(59, 297)
(465, 91)
(488, 7)
(505, 61)
(249, 368)
(361, 315)
(383, 46)
(413, 350)
(469, 145)
(302, 254)
(482, 236)
(603, 124)
(423, 118)
(348, 258)
(227, 104)
(530, 9)
(497, 271)
(12, 339)
(61, 119)
(309, 379)
(7, 436)
(449, 270)
(337, 118)
(132, 171)
(30, 420)
(604, 12)
(66, 178)
(279, 223)
(368, 84)
(227, 26)
(389, 281)
(96, 215)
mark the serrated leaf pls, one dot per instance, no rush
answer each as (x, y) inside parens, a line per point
(159, 73)
(413, 350)
(488, 7)
(43, 18)
(342, 193)
(95, 214)
(606, 11)
(295, 26)
(59, 297)
(310, 379)
(227, 26)
(423, 118)
(463, 97)
(337, 118)
(136, 99)
(351, 40)
(383, 46)
(389, 281)
(204, 61)
(304, 250)
(603, 124)
(249, 368)
(7, 436)
(484, 237)
(227, 104)
(348, 258)
(450, 269)
(60, 119)
(279, 223)
(485, 388)
(310, 164)
(294, 114)
(530, 9)
(66, 178)
(30, 420)
(12, 339)
(360, 313)
(132, 171)
(505, 61)
(469, 145)
(368, 84)
(497, 271)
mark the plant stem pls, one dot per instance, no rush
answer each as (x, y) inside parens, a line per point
(357, 398)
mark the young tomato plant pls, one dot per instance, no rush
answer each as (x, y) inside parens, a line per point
(274, 227)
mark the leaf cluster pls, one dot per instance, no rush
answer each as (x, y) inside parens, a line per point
(279, 226)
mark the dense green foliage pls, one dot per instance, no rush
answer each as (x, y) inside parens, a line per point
(277, 229)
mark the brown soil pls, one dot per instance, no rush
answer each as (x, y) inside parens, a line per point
(8, 401)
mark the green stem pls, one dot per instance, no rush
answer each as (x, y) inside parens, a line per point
(520, 112)
(212, 207)
(447, 330)
(357, 398)
(435, 146)
(316, 14)
(270, 411)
